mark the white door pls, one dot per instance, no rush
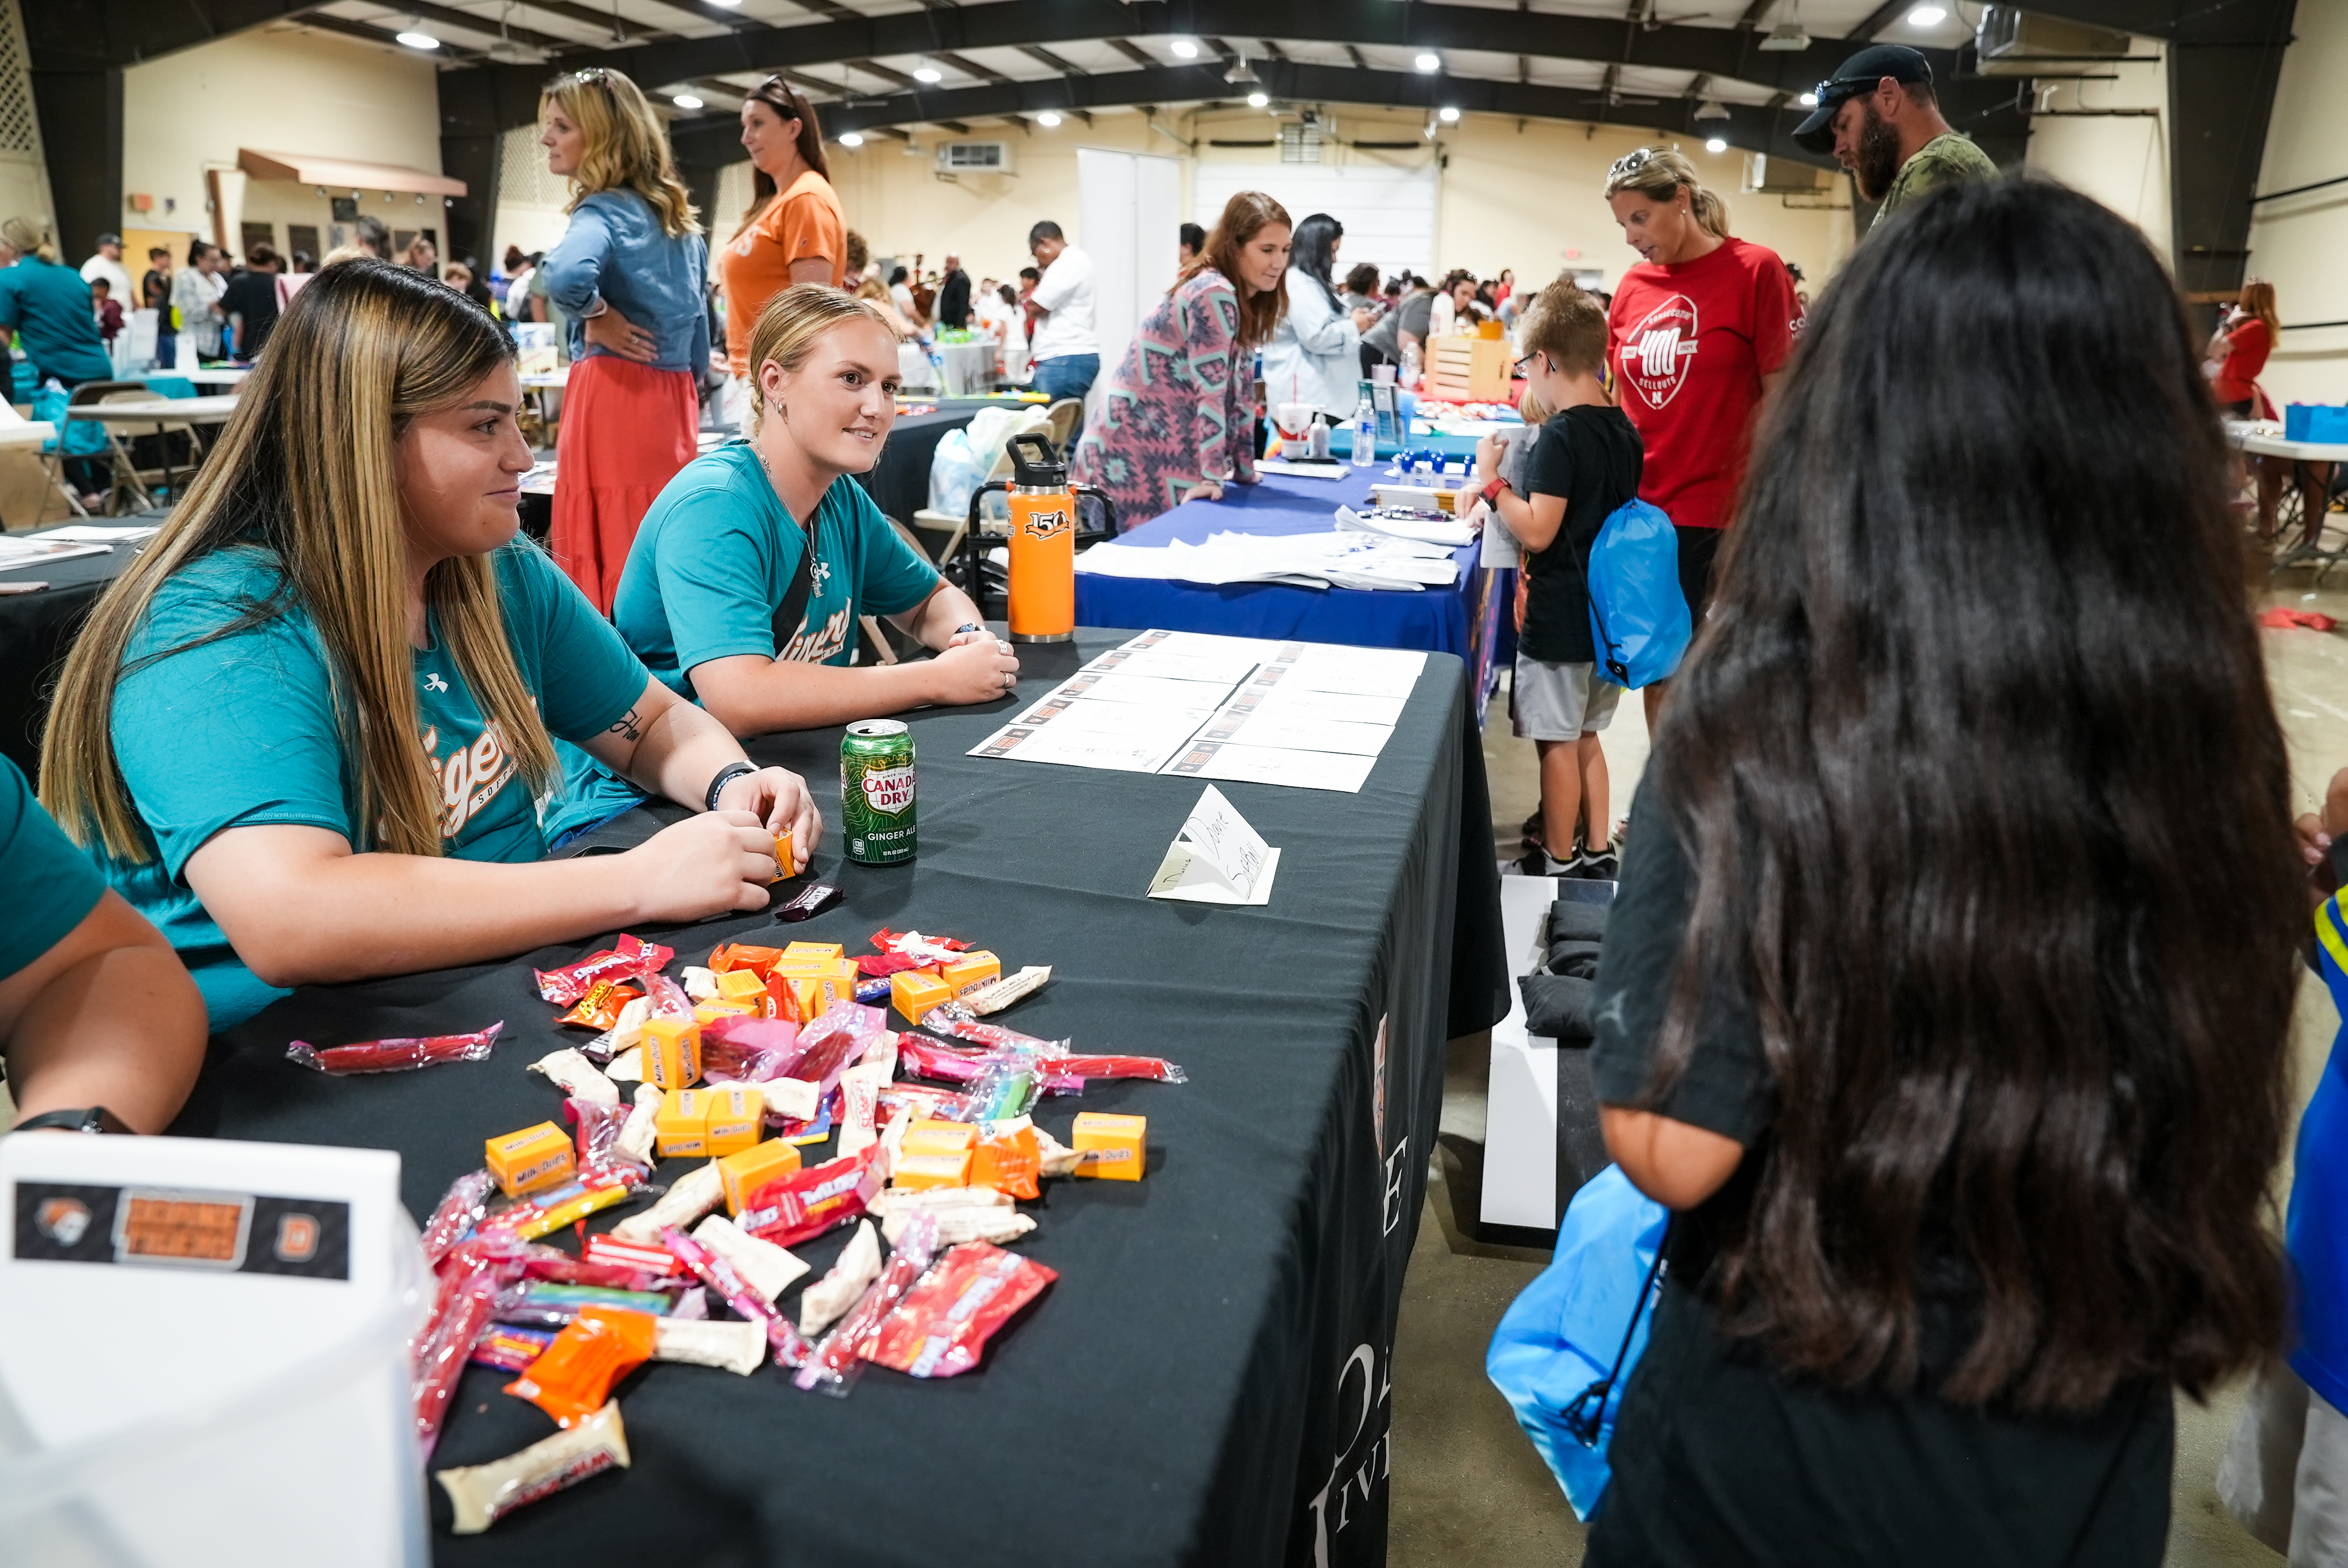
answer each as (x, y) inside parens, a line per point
(1388, 213)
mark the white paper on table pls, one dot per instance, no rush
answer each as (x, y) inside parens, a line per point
(1344, 707)
(1365, 671)
(1217, 833)
(1184, 875)
(1272, 765)
(1205, 644)
(1429, 530)
(1135, 721)
(1300, 469)
(1078, 749)
(103, 533)
(1161, 691)
(1226, 669)
(1292, 732)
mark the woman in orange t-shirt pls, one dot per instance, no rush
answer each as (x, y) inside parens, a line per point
(793, 231)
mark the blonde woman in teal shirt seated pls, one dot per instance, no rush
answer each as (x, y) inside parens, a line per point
(308, 731)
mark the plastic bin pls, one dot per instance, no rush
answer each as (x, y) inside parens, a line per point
(2314, 422)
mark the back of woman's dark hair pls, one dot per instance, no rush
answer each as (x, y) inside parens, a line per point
(1314, 252)
(1990, 817)
(1363, 278)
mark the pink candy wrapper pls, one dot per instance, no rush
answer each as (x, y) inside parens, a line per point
(832, 1368)
(718, 1275)
(394, 1055)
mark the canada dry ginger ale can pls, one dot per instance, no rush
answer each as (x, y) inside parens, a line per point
(876, 791)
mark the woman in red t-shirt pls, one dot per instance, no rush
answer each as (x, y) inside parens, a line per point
(1698, 331)
(2240, 349)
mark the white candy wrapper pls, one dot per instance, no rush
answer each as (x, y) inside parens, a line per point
(860, 1098)
(635, 1140)
(835, 1293)
(687, 1199)
(768, 1269)
(736, 1347)
(628, 1066)
(578, 1077)
(994, 997)
(895, 1201)
(958, 1225)
(700, 984)
(791, 1099)
(483, 1494)
(628, 1031)
(1059, 1160)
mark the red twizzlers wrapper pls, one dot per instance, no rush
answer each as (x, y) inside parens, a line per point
(806, 1203)
(942, 1325)
(394, 1055)
(627, 957)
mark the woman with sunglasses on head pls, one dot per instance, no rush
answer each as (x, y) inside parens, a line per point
(1178, 420)
(306, 730)
(1701, 328)
(627, 276)
(1948, 999)
(793, 231)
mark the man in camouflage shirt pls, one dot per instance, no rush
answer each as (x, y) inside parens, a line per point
(1880, 116)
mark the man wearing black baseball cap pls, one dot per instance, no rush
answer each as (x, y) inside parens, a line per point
(1879, 116)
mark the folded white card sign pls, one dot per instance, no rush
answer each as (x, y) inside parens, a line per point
(1218, 858)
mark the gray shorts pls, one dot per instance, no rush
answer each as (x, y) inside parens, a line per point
(1560, 702)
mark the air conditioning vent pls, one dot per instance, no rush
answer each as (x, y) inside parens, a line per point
(1300, 143)
(973, 158)
(2012, 42)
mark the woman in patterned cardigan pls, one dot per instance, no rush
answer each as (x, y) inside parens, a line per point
(1176, 421)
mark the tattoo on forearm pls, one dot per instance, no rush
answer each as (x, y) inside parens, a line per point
(629, 725)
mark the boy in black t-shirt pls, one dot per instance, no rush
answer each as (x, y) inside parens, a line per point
(1584, 463)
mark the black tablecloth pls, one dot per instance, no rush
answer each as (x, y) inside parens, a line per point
(37, 630)
(1208, 1382)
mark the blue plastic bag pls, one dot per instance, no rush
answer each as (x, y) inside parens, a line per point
(1561, 1338)
(83, 438)
(1638, 616)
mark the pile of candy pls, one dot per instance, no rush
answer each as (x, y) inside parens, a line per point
(792, 1041)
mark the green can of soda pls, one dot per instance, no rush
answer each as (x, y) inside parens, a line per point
(876, 791)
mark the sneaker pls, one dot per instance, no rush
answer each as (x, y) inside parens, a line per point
(1536, 836)
(1606, 867)
(1539, 862)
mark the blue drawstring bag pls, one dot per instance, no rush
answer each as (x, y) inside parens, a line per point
(83, 438)
(1638, 615)
(1564, 1351)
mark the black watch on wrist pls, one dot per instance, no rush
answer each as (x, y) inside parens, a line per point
(726, 775)
(95, 1118)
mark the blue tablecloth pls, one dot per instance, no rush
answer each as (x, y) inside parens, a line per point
(1439, 619)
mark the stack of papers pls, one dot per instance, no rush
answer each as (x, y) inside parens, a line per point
(21, 552)
(1342, 558)
(1309, 715)
(103, 533)
(1449, 532)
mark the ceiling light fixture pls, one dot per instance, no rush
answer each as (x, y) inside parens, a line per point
(1927, 16)
(1711, 108)
(1240, 73)
(1448, 115)
(1048, 118)
(927, 73)
(1716, 145)
(1788, 36)
(1184, 50)
(1428, 61)
(687, 101)
(1259, 100)
(416, 39)
(851, 138)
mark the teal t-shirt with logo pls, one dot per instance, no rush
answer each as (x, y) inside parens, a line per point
(241, 732)
(47, 885)
(712, 561)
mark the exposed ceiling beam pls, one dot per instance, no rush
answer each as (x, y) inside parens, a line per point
(1134, 52)
(1755, 13)
(591, 17)
(886, 73)
(1044, 57)
(1875, 21)
(955, 126)
(383, 35)
(707, 10)
(832, 9)
(1270, 49)
(487, 25)
(1360, 63)
(1748, 126)
(712, 84)
(968, 66)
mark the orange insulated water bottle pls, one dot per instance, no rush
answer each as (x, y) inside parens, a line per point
(1041, 575)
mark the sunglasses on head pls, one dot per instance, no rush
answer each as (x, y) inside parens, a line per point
(1630, 162)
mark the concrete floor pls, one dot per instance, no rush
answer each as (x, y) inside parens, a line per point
(1468, 1490)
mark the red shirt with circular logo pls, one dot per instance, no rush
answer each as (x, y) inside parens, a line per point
(1688, 345)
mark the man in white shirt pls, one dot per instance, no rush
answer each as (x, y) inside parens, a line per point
(108, 265)
(1067, 350)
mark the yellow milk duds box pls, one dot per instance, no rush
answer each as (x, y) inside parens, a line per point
(1111, 1146)
(916, 991)
(916, 1172)
(681, 1125)
(969, 971)
(745, 1173)
(531, 1160)
(741, 986)
(814, 950)
(672, 1052)
(734, 1113)
(933, 1135)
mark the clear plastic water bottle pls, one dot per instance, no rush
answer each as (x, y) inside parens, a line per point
(1366, 433)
